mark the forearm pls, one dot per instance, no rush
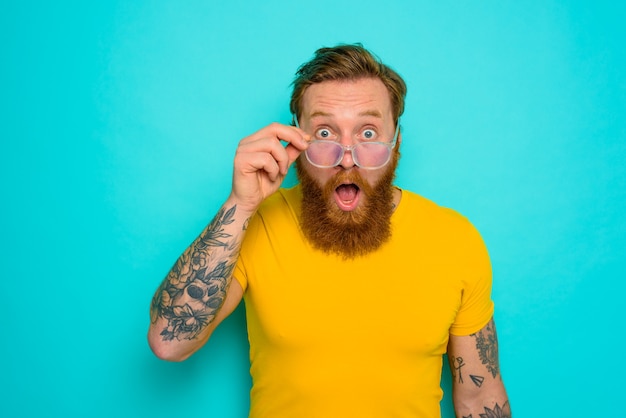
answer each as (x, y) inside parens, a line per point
(195, 295)
(188, 301)
(492, 402)
(478, 389)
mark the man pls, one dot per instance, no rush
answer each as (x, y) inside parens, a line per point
(354, 288)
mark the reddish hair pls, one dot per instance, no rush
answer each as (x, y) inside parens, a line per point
(347, 62)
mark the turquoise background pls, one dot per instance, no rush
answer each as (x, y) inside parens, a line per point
(119, 121)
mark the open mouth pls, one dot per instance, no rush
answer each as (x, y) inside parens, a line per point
(347, 196)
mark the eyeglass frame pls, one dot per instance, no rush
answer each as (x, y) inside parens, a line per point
(389, 145)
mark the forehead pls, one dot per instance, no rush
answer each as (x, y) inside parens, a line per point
(367, 96)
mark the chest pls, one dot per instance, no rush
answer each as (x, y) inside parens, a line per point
(392, 300)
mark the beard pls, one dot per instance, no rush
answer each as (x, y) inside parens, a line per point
(349, 234)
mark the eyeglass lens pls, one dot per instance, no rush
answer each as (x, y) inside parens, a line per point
(365, 155)
(327, 154)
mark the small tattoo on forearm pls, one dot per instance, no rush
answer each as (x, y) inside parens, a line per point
(477, 380)
(457, 365)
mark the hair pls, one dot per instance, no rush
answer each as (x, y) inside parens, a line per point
(347, 62)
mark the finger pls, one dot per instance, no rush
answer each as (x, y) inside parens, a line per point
(255, 162)
(270, 147)
(296, 141)
(285, 155)
(292, 153)
(295, 137)
(289, 134)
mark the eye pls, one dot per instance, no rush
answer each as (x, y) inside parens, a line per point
(369, 134)
(323, 133)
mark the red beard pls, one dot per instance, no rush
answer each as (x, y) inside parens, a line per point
(347, 233)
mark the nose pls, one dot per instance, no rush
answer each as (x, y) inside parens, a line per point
(347, 161)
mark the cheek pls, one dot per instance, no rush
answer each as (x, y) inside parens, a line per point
(372, 177)
(319, 175)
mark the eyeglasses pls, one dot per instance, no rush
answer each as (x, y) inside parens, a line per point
(324, 153)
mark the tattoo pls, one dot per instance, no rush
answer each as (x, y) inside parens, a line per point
(497, 412)
(478, 380)
(457, 365)
(487, 345)
(204, 284)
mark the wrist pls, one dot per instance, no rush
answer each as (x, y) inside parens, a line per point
(243, 207)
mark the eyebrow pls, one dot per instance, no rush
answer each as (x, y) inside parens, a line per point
(374, 113)
(319, 113)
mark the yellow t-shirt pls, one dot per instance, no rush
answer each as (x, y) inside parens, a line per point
(364, 337)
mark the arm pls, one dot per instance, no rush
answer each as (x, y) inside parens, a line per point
(197, 294)
(477, 388)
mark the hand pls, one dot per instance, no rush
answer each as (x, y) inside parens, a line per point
(262, 162)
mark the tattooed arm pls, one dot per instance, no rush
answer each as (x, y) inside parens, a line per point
(198, 293)
(477, 388)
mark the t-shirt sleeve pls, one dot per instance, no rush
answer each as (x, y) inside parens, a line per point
(476, 307)
(240, 274)
(271, 216)
(247, 251)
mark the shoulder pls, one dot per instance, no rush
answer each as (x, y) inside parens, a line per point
(416, 207)
(282, 199)
(446, 230)
(279, 209)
